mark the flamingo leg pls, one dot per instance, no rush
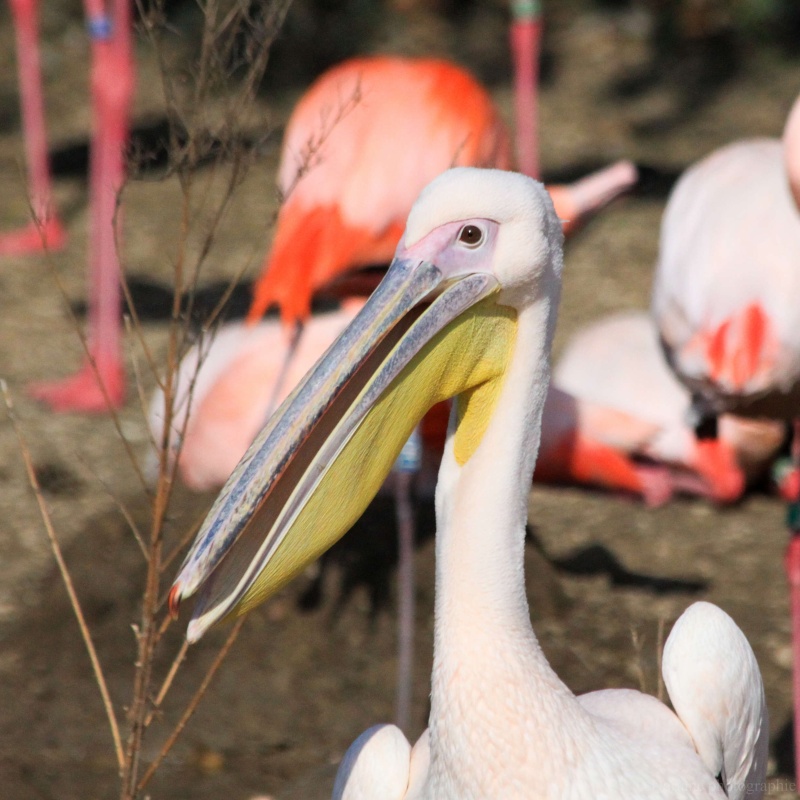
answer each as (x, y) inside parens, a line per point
(45, 231)
(526, 36)
(408, 463)
(792, 565)
(99, 385)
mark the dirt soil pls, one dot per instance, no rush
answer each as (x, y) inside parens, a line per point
(316, 666)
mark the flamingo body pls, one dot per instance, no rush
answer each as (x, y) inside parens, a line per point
(617, 362)
(226, 386)
(359, 147)
(580, 445)
(728, 268)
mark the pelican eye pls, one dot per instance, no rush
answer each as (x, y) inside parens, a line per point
(470, 235)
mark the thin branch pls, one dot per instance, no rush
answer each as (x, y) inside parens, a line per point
(165, 623)
(121, 507)
(193, 703)
(173, 671)
(144, 406)
(660, 693)
(637, 666)
(126, 289)
(185, 539)
(90, 358)
(65, 576)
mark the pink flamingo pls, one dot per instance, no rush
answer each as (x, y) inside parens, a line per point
(100, 383)
(617, 362)
(226, 386)
(725, 297)
(358, 148)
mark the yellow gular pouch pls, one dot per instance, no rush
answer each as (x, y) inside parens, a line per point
(475, 406)
(470, 356)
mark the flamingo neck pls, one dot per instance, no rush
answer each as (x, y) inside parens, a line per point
(491, 682)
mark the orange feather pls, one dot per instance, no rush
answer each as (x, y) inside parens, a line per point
(360, 146)
(362, 143)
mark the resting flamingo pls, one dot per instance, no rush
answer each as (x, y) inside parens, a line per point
(467, 310)
(227, 384)
(617, 362)
(99, 385)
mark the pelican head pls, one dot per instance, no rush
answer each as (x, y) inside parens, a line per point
(479, 247)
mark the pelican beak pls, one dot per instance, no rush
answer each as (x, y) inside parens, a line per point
(421, 338)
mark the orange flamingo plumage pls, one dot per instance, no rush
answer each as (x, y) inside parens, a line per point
(360, 145)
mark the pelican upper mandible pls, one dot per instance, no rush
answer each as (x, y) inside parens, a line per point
(467, 310)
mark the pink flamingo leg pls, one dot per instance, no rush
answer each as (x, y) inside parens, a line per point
(100, 383)
(792, 564)
(526, 35)
(45, 232)
(793, 574)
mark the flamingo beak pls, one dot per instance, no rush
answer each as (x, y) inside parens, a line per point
(421, 338)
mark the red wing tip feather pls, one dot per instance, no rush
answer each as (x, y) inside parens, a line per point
(741, 348)
(717, 464)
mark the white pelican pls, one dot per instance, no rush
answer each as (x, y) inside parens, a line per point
(468, 310)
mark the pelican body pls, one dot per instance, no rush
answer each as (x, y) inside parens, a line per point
(467, 310)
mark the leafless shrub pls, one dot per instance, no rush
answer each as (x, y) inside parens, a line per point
(209, 105)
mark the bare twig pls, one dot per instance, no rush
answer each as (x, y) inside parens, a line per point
(122, 508)
(638, 668)
(173, 671)
(65, 576)
(193, 703)
(660, 692)
(126, 291)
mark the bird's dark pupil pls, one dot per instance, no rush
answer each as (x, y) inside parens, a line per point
(470, 234)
